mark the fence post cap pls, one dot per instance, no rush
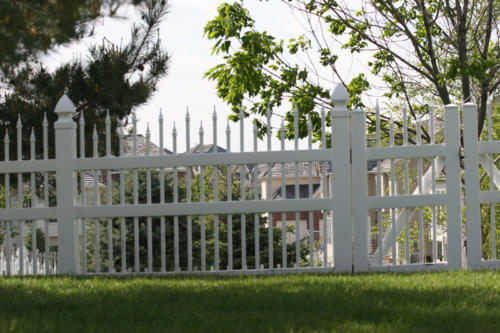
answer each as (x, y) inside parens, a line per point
(469, 106)
(450, 106)
(64, 107)
(340, 97)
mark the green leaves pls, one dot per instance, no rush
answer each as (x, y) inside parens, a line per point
(424, 51)
(337, 26)
(356, 88)
(31, 27)
(254, 66)
(327, 58)
(112, 78)
(301, 43)
(476, 67)
(231, 20)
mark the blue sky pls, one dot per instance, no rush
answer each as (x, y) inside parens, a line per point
(182, 36)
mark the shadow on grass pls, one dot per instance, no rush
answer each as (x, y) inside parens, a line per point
(440, 302)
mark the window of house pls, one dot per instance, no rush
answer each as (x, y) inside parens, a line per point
(303, 191)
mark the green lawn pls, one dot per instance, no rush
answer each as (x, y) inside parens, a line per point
(460, 301)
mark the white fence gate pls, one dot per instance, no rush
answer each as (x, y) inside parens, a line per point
(314, 209)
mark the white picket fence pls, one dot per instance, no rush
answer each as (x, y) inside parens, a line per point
(34, 264)
(182, 234)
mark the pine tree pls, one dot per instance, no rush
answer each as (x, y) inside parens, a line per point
(31, 27)
(183, 236)
(113, 78)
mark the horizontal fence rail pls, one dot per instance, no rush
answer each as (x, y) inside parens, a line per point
(205, 208)
(171, 161)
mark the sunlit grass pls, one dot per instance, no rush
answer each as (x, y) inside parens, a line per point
(456, 301)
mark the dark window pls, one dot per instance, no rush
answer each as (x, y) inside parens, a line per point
(303, 191)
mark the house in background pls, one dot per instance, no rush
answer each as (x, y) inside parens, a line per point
(277, 193)
(141, 148)
(317, 192)
(141, 145)
(249, 169)
(209, 148)
(204, 149)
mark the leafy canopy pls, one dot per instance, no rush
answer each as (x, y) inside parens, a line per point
(425, 51)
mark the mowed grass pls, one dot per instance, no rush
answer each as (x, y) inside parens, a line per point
(457, 301)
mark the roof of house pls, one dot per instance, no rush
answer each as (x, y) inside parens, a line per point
(209, 148)
(206, 149)
(385, 166)
(317, 168)
(369, 166)
(288, 167)
(141, 145)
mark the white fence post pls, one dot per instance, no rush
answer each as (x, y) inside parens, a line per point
(453, 190)
(359, 193)
(472, 205)
(65, 154)
(341, 171)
